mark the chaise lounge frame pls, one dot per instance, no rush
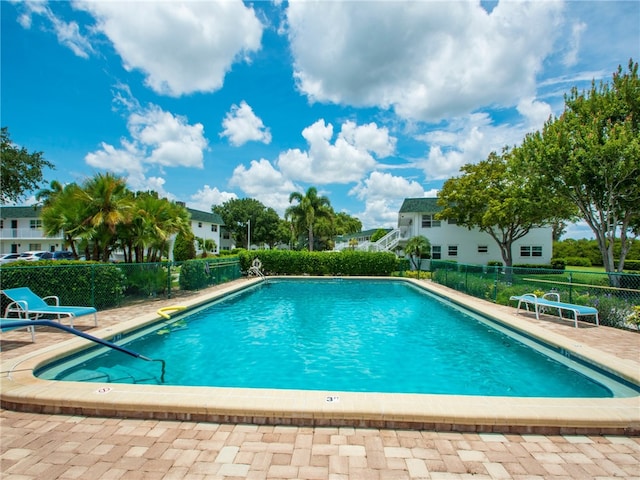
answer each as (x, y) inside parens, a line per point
(552, 300)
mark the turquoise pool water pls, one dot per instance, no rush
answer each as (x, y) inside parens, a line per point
(336, 335)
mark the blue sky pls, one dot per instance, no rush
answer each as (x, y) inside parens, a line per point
(368, 101)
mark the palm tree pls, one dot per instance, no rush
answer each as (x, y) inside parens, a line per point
(416, 247)
(107, 204)
(48, 195)
(305, 214)
(61, 213)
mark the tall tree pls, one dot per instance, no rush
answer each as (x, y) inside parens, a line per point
(416, 248)
(61, 212)
(499, 198)
(590, 156)
(107, 204)
(307, 211)
(247, 216)
(345, 224)
(21, 171)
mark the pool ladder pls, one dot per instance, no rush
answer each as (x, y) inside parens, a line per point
(49, 323)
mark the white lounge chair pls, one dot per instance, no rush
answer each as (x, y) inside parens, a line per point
(552, 300)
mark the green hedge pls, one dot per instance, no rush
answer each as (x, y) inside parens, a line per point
(632, 265)
(75, 283)
(288, 262)
(201, 273)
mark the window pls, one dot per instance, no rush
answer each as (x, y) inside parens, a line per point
(453, 250)
(214, 228)
(35, 246)
(199, 224)
(452, 221)
(428, 221)
(530, 251)
(1, 223)
(35, 223)
(483, 249)
(436, 252)
(225, 235)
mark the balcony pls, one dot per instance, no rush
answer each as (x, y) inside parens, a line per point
(25, 234)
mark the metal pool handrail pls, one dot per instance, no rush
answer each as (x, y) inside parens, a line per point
(8, 323)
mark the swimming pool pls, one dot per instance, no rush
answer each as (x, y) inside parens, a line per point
(345, 335)
(21, 390)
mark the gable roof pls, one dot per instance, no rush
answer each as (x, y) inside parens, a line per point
(420, 205)
(20, 212)
(34, 212)
(200, 216)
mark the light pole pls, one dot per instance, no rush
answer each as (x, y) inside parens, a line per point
(249, 235)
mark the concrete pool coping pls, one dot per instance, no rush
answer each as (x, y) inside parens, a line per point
(21, 390)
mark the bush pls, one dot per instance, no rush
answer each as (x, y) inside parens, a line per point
(288, 262)
(146, 279)
(193, 275)
(632, 265)
(184, 247)
(558, 263)
(93, 284)
(578, 261)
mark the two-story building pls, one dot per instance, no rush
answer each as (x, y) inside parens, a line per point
(449, 241)
(21, 230)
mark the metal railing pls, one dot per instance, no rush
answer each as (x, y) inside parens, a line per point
(613, 294)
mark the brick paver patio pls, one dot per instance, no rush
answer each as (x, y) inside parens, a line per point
(43, 447)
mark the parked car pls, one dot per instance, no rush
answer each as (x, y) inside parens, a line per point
(62, 255)
(8, 257)
(35, 255)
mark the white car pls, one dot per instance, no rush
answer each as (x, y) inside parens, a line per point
(35, 255)
(8, 257)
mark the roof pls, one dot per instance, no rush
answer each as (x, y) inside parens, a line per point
(363, 233)
(20, 212)
(34, 212)
(200, 216)
(420, 205)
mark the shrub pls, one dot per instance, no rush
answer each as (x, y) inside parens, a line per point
(184, 247)
(288, 262)
(632, 265)
(76, 283)
(578, 261)
(193, 275)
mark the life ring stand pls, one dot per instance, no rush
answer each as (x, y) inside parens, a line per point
(256, 263)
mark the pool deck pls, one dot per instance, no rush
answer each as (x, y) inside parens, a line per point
(57, 436)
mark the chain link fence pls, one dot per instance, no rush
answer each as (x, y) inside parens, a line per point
(109, 285)
(613, 294)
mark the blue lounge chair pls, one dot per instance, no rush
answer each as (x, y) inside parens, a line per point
(7, 324)
(27, 304)
(540, 303)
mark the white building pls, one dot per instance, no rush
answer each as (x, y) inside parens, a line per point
(21, 230)
(452, 242)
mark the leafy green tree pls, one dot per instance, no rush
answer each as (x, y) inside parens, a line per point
(590, 157)
(306, 213)
(62, 213)
(499, 198)
(184, 247)
(106, 204)
(417, 247)
(154, 221)
(21, 171)
(345, 224)
(241, 214)
(378, 234)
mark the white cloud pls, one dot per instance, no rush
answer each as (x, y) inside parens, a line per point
(181, 47)
(157, 139)
(207, 197)
(241, 125)
(263, 182)
(383, 195)
(465, 140)
(535, 112)
(426, 60)
(573, 45)
(68, 33)
(346, 160)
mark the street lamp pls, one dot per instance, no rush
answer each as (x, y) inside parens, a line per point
(249, 235)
